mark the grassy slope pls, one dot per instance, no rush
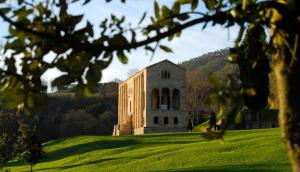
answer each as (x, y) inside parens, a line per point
(251, 150)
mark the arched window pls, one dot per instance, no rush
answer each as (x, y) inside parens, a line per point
(175, 120)
(155, 99)
(155, 120)
(166, 120)
(165, 99)
(169, 75)
(166, 74)
(175, 99)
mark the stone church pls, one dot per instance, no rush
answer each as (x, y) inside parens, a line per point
(152, 100)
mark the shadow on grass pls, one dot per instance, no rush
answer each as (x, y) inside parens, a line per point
(170, 134)
(238, 168)
(103, 144)
(168, 142)
(54, 142)
(87, 147)
(77, 165)
(79, 149)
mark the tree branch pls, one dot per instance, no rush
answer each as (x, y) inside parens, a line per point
(87, 46)
(93, 48)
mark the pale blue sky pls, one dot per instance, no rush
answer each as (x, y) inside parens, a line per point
(192, 43)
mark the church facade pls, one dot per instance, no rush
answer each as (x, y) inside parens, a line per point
(152, 100)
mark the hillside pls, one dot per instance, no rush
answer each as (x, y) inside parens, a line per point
(212, 62)
(247, 150)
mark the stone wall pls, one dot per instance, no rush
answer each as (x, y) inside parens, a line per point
(175, 80)
(131, 102)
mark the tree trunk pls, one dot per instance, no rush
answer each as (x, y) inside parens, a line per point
(192, 123)
(30, 167)
(289, 110)
(287, 73)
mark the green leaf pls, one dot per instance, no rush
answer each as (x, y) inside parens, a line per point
(210, 4)
(41, 8)
(250, 91)
(73, 20)
(183, 1)
(118, 40)
(93, 76)
(30, 101)
(165, 11)
(86, 2)
(62, 80)
(166, 49)
(170, 38)
(89, 29)
(176, 8)
(22, 13)
(194, 4)
(5, 10)
(156, 9)
(148, 48)
(20, 2)
(143, 17)
(122, 57)
(183, 17)
(101, 64)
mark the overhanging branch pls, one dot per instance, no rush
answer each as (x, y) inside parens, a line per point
(87, 46)
(99, 48)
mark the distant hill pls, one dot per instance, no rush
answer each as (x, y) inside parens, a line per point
(212, 62)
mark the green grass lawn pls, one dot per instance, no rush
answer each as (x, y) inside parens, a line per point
(248, 150)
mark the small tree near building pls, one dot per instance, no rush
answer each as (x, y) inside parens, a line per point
(197, 90)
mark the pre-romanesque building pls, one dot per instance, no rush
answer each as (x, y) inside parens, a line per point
(152, 100)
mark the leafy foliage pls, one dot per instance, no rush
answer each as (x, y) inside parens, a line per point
(29, 145)
(8, 135)
(254, 68)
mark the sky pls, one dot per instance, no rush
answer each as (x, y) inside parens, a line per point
(192, 43)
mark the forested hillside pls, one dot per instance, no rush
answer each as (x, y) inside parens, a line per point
(212, 62)
(198, 71)
(66, 115)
